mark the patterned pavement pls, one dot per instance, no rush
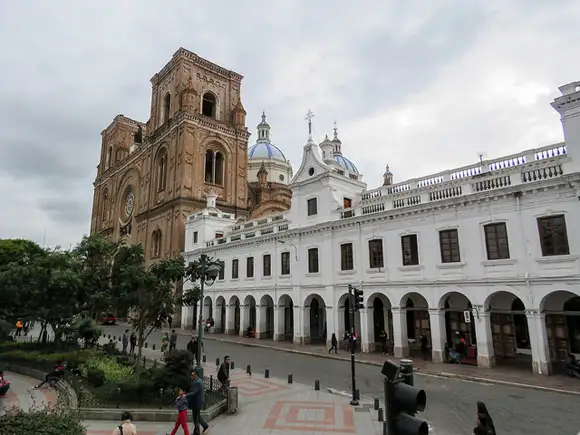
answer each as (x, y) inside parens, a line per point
(21, 395)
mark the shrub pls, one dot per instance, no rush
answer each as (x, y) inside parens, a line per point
(5, 328)
(87, 330)
(95, 377)
(113, 371)
(45, 422)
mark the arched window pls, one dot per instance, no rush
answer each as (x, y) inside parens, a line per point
(105, 205)
(214, 167)
(208, 105)
(166, 107)
(108, 158)
(162, 170)
(156, 244)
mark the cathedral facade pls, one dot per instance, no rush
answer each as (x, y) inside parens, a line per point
(153, 175)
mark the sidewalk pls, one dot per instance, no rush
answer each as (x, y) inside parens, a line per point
(499, 375)
(22, 396)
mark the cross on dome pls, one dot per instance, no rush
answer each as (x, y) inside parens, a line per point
(309, 117)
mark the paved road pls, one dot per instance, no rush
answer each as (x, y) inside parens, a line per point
(450, 403)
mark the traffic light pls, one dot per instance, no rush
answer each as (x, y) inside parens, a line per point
(358, 299)
(403, 401)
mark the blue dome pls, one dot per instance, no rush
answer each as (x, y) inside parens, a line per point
(346, 164)
(265, 151)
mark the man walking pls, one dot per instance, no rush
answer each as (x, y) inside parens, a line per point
(195, 401)
(172, 340)
(192, 347)
(125, 341)
(224, 374)
(133, 341)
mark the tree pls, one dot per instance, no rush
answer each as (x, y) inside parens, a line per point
(146, 293)
(95, 255)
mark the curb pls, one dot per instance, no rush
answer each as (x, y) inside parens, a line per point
(417, 371)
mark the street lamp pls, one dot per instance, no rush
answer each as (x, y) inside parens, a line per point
(206, 270)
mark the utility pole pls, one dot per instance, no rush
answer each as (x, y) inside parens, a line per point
(355, 304)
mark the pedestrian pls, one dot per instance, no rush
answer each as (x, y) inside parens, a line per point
(333, 344)
(18, 327)
(482, 426)
(223, 374)
(384, 341)
(132, 342)
(424, 348)
(482, 410)
(169, 321)
(125, 340)
(164, 342)
(173, 340)
(195, 400)
(126, 427)
(181, 405)
(26, 327)
(192, 347)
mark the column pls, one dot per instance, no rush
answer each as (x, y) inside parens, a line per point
(305, 318)
(370, 322)
(401, 341)
(485, 355)
(230, 318)
(187, 317)
(299, 321)
(261, 327)
(541, 363)
(217, 317)
(364, 330)
(330, 326)
(244, 318)
(438, 334)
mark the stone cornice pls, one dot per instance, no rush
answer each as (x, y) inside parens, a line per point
(122, 119)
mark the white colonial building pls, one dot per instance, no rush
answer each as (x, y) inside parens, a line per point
(488, 250)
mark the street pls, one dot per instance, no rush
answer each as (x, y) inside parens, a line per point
(451, 403)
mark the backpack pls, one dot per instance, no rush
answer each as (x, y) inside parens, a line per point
(120, 429)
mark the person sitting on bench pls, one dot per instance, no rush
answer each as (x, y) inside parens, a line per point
(56, 375)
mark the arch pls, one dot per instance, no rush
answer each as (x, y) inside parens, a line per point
(235, 309)
(315, 323)
(555, 301)
(267, 300)
(285, 327)
(503, 298)
(207, 308)
(233, 300)
(214, 166)
(249, 300)
(209, 104)
(208, 166)
(414, 300)
(381, 296)
(285, 300)
(509, 325)
(220, 317)
(562, 310)
(161, 169)
(156, 241)
(454, 300)
(166, 107)
(250, 312)
(380, 322)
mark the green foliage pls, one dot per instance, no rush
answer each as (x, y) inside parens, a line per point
(112, 370)
(96, 377)
(87, 330)
(41, 422)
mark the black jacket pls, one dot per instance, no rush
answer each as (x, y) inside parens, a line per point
(223, 373)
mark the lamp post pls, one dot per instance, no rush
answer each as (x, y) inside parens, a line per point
(206, 270)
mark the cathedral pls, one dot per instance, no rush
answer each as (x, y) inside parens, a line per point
(153, 175)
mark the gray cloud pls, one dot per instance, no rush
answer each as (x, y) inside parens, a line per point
(403, 79)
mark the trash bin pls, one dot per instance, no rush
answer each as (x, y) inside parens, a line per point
(232, 399)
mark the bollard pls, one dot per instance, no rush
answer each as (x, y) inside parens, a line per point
(232, 365)
(290, 378)
(357, 394)
(217, 362)
(317, 385)
(407, 371)
(381, 415)
(210, 382)
(160, 398)
(118, 397)
(146, 344)
(119, 339)
(144, 361)
(204, 358)
(267, 373)
(376, 403)
(153, 346)
(109, 337)
(249, 369)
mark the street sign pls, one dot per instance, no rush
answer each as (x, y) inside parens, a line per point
(467, 316)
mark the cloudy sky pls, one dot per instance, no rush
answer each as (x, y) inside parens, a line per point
(421, 85)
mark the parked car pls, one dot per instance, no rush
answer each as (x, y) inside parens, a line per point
(108, 319)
